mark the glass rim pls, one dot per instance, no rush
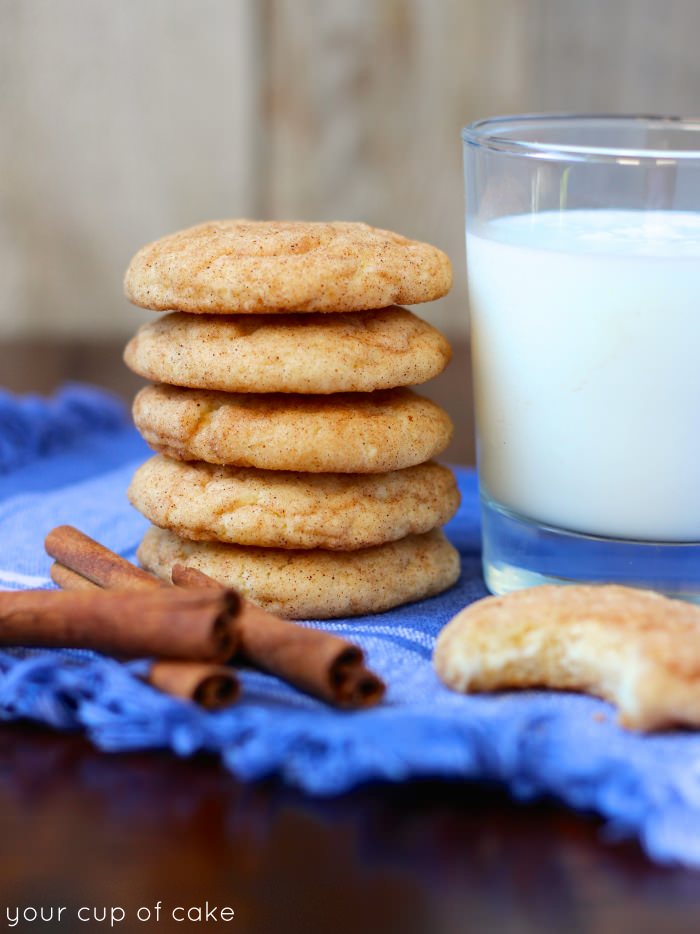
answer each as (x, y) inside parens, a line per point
(499, 134)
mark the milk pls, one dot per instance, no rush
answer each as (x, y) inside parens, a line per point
(586, 347)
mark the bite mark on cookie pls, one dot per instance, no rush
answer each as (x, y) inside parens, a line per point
(634, 648)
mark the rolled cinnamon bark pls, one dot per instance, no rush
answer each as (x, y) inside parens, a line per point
(183, 576)
(210, 686)
(66, 579)
(314, 661)
(83, 554)
(127, 623)
(317, 662)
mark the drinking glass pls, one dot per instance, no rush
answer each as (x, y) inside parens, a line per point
(583, 266)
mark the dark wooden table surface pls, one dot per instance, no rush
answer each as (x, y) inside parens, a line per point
(83, 829)
(80, 829)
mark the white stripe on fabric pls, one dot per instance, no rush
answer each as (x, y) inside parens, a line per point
(28, 580)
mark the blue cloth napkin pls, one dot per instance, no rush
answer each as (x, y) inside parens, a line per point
(69, 459)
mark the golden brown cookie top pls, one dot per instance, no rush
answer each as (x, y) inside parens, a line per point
(370, 432)
(247, 266)
(311, 353)
(284, 509)
(314, 584)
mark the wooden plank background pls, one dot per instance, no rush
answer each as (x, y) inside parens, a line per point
(120, 122)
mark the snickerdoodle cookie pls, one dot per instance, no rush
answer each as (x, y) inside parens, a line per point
(247, 266)
(340, 433)
(281, 509)
(313, 353)
(315, 584)
(634, 648)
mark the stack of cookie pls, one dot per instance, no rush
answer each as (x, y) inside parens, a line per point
(294, 463)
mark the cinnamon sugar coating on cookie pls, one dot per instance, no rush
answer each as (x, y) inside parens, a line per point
(339, 433)
(635, 648)
(312, 353)
(249, 267)
(315, 584)
(284, 509)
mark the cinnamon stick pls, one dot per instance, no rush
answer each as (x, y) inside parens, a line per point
(77, 551)
(209, 685)
(317, 662)
(314, 661)
(70, 580)
(127, 623)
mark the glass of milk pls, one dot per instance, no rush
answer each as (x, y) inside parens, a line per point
(583, 266)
